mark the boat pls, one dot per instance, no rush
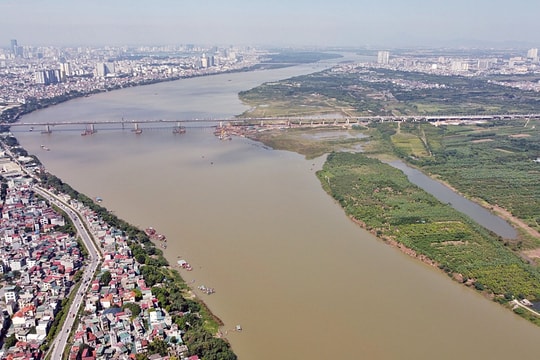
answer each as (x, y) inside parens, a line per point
(154, 235)
(184, 265)
(206, 290)
(238, 328)
(150, 231)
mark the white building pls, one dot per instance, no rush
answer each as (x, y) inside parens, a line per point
(10, 294)
(383, 57)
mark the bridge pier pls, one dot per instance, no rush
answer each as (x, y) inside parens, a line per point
(47, 129)
(178, 129)
(137, 130)
(89, 130)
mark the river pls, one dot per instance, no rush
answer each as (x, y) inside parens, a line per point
(302, 280)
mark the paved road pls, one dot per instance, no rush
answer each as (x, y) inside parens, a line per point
(94, 259)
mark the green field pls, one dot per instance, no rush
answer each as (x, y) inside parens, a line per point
(374, 91)
(393, 208)
(494, 162)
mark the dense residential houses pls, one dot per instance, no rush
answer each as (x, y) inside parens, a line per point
(37, 264)
(108, 324)
(119, 316)
(42, 73)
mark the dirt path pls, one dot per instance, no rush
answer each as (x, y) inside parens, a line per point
(502, 212)
(518, 222)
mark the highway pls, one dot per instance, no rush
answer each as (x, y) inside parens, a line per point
(94, 260)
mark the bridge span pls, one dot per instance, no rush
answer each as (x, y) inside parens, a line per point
(89, 127)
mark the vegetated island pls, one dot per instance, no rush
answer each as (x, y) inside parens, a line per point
(495, 163)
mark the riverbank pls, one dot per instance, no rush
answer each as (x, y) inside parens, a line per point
(243, 241)
(191, 315)
(433, 234)
(14, 113)
(112, 218)
(396, 244)
(411, 220)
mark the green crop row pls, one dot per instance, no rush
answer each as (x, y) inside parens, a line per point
(383, 198)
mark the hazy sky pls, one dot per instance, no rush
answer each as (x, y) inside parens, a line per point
(276, 22)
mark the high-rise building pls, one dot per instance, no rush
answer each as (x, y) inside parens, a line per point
(111, 68)
(14, 46)
(203, 61)
(484, 64)
(39, 77)
(46, 77)
(212, 61)
(65, 70)
(231, 55)
(533, 54)
(103, 69)
(16, 50)
(459, 66)
(383, 57)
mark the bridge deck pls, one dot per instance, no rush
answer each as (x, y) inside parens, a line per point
(278, 120)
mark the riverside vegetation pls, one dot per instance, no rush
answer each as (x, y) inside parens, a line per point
(494, 163)
(191, 316)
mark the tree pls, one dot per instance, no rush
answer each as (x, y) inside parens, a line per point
(105, 278)
(10, 341)
(158, 346)
(138, 294)
(134, 308)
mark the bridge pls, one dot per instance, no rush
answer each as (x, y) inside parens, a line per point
(181, 125)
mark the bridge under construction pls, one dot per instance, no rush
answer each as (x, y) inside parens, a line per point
(179, 126)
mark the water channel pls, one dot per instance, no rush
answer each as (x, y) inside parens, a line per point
(286, 263)
(444, 194)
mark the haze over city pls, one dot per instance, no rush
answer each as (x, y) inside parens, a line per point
(392, 23)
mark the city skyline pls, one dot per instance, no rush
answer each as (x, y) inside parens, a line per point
(279, 23)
